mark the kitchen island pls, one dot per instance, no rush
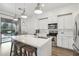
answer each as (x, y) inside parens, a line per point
(43, 45)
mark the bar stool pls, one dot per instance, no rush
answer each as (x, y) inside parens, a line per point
(28, 51)
(17, 46)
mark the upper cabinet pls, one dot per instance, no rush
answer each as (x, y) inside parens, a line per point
(65, 22)
(60, 23)
(69, 22)
(65, 25)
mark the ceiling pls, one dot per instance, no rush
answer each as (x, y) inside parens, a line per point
(13, 7)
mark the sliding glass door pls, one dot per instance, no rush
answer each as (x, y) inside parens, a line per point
(8, 29)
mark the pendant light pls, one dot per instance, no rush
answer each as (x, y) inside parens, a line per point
(23, 15)
(15, 16)
(38, 9)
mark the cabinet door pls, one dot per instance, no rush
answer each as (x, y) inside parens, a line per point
(70, 43)
(68, 22)
(65, 22)
(59, 42)
(68, 26)
(60, 32)
(65, 42)
(60, 22)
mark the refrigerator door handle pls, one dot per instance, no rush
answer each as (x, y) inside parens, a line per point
(75, 32)
(78, 32)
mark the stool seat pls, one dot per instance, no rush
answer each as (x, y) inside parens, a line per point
(30, 49)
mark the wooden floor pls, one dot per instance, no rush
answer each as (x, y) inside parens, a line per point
(61, 52)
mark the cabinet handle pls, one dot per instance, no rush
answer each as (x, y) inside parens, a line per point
(62, 32)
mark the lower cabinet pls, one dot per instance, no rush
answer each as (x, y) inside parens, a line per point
(71, 43)
(65, 41)
(59, 41)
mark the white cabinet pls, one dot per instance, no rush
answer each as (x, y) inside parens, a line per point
(60, 23)
(65, 22)
(65, 42)
(43, 24)
(65, 32)
(59, 41)
(62, 42)
(70, 42)
(68, 22)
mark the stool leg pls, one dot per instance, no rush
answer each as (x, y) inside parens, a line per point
(28, 53)
(25, 54)
(20, 51)
(31, 54)
(36, 52)
(11, 49)
(15, 50)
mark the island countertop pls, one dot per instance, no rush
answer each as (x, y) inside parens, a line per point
(32, 40)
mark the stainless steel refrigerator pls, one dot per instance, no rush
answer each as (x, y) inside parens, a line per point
(76, 35)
